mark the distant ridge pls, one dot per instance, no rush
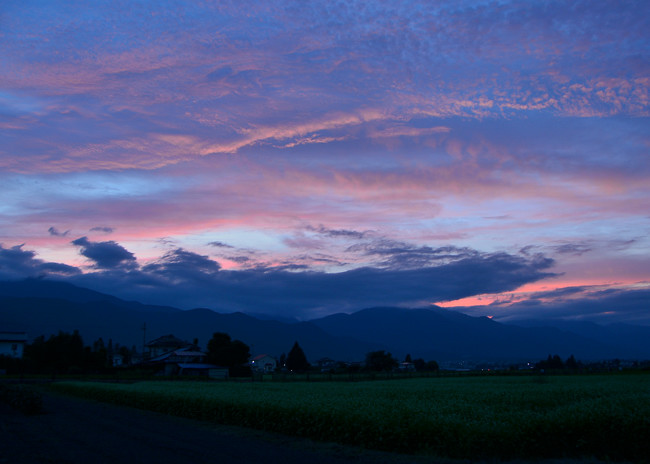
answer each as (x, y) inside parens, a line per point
(633, 340)
(43, 288)
(43, 307)
(66, 307)
(438, 333)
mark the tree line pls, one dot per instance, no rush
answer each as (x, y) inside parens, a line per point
(65, 353)
(381, 360)
(555, 363)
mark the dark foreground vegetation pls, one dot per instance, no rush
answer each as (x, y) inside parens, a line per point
(552, 409)
(21, 397)
(497, 417)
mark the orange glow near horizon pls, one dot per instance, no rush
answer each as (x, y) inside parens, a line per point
(525, 291)
(480, 300)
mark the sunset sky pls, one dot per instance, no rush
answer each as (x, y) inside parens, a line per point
(304, 158)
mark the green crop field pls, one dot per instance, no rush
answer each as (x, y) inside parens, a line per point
(595, 416)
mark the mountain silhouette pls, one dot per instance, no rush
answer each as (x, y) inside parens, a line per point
(42, 307)
(437, 333)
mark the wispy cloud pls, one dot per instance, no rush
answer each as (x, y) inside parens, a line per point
(103, 229)
(56, 233)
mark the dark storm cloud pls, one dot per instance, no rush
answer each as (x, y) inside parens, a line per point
(186, 279)
(106, 255)
(179, 278)
(16, 263)
(55, 232)
(296, 292)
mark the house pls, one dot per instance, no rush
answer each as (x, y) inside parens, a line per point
(188, 360)
(137, 358)
(263, 363)
(406, 367)
(326, 365)
(12, 344)
(164, 344)
(117, 360)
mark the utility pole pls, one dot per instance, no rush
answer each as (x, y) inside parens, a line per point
(144, 337)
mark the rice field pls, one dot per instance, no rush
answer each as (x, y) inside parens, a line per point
(595, 416)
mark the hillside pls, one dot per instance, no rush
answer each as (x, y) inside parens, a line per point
(444, 334)
(65, 307)
(44, 307)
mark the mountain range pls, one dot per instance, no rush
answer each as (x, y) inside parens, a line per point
(43, 307)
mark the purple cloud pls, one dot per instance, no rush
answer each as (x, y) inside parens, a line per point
(106, 255)
(16, 263)
(189, 279)
(53, 231)
(105, 230)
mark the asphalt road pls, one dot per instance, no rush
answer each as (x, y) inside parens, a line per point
(79, 431)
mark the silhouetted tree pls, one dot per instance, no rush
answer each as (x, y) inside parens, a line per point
(60, 352)
(98, 357)
(296, 359)
(98, 344)
(12, 365)
(223, 351)
(35, 353)
(551, 363)
(571, 363)
(419, 364)
(126, 354)
(433, 366)
(380, 361)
